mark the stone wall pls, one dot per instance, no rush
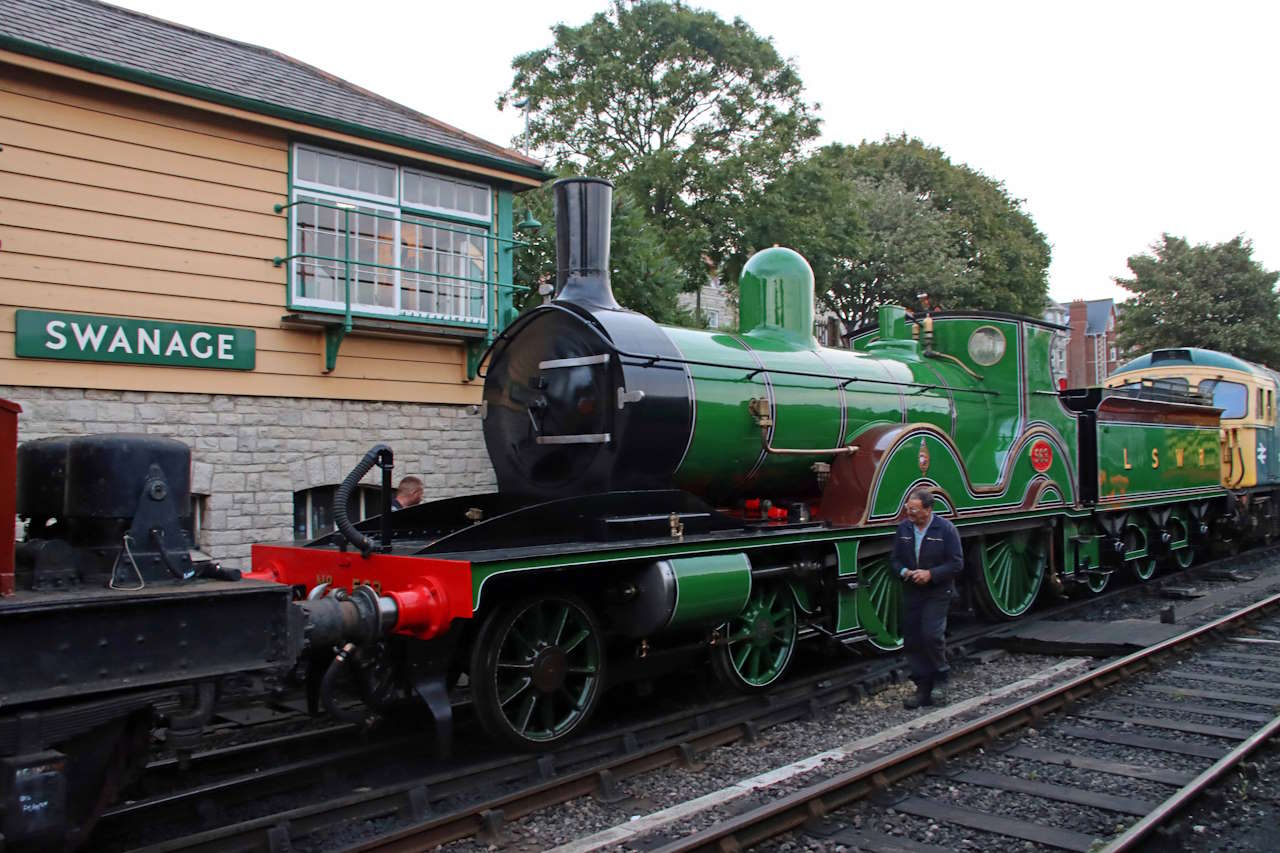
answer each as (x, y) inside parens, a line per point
(715, 297)
(250, 454)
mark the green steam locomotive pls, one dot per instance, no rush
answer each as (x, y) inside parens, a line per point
(666, 491)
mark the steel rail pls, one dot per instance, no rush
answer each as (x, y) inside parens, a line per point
(813, 692)
(1183, 797)
(816, 800)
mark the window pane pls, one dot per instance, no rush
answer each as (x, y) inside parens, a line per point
(367, 177)
(322, 510)
(387, 182)
(306, 165)
(299, 515)
(327, 170)
(1231, 397)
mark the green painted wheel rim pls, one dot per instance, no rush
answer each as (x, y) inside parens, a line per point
(547, 669)
(1098, 582)
(879, 603)
(759, 640)
(1013, 570)
(1184, 556)
(1142, 568)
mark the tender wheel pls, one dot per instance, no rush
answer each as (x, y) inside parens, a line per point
(1098, 582)
(879, 603)
(1185, 555)
(1142, 568)
(1012, 571)
(537, 670)
(758, 643)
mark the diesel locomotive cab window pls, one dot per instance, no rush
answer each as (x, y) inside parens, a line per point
(401, 242)
(1231, 397)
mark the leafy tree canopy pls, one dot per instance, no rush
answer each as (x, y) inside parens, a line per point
(1216, 297)
(1005, 257)
(689, 114)
(644, 276)
(870, 240)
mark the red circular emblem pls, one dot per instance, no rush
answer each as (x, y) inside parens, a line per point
(1041, 455)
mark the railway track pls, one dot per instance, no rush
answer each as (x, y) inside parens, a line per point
(255, 805)
(1173, 718)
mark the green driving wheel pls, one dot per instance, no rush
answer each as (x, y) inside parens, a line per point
(1012, 571)
(537, 669)
(879, 603)
(757, 644)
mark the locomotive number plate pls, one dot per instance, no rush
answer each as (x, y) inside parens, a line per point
(1041, 455)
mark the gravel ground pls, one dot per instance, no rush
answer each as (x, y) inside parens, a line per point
(777, 746)
(1239, 816)
(847, 722)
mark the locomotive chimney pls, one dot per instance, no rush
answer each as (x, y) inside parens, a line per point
(583, 213)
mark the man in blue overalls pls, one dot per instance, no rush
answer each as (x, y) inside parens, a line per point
(928, 558)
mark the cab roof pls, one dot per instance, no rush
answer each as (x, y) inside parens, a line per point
(1190, 356)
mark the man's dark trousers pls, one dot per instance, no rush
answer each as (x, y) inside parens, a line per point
(924, 631)
(924, 611)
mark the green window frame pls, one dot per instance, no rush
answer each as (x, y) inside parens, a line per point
(413, 245)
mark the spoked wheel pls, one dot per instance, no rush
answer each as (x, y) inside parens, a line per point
(1184, 556)
(759, 642)
(1141, 568)
(1013, 567)
(537, 670)
(879, 603)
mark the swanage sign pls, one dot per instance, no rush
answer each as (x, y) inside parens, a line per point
(93, 337)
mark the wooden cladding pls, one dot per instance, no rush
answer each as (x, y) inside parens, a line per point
(118, 204)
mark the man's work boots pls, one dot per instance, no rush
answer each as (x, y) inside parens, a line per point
(918, 699)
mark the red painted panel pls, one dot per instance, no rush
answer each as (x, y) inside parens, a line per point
(430, 593)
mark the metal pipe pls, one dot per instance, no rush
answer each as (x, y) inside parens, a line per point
(386, 503)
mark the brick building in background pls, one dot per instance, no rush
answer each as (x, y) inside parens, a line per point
(1092, 352)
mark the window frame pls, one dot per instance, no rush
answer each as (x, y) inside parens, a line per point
(296, 299)
(1213, 396)
(395, 209)
(366, 493)
(445, 212)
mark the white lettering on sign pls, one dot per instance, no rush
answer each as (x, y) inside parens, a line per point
(120, 341)
(176, 346)
(148, 340)
(78, 337)
(90, 334)
(53, 329)
(200, 345)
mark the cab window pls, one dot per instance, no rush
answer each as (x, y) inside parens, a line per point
(1231, 397)
(1257, 411)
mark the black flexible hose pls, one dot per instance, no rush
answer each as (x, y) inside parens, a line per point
(345, 527)
(328, 690)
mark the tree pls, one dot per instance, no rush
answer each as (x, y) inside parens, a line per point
(690, 114)
(1006, 256)
(870, 241)
(644, 277)
(1215, 297)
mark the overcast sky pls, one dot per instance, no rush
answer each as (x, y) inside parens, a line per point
(1113, 121)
